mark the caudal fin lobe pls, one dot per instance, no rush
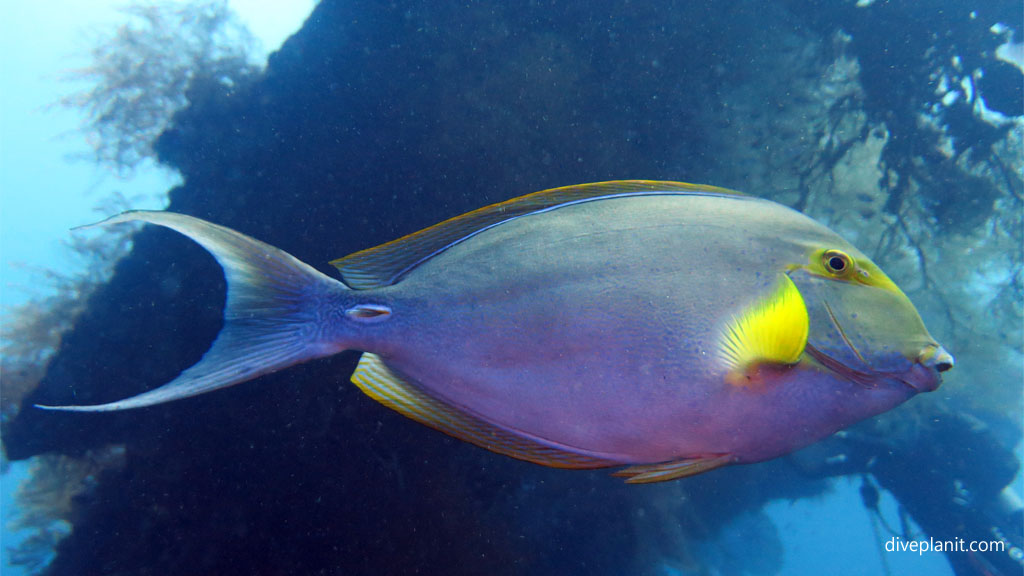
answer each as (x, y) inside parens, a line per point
(277, 313)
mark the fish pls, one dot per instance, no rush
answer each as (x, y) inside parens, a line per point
(662, 328)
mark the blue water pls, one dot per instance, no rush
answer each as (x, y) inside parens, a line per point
(899, 125)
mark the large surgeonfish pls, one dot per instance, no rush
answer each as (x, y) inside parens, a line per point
(669, 327)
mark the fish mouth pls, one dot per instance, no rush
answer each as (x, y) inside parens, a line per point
(921, 378)
(926, 374)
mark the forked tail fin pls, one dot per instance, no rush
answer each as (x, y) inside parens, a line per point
(278, 313)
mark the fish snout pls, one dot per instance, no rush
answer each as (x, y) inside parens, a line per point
(936, 357)
(925, 376)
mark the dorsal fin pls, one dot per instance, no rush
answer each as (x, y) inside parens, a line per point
(387, 263)
(379, 382)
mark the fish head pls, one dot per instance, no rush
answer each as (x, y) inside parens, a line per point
(861, 325)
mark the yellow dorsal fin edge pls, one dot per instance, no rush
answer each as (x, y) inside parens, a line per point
(388, 263)
(773, 330)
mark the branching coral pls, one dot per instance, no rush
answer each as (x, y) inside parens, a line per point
(141, 73)
(45, 502)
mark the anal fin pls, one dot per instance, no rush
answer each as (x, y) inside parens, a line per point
(663, 471)
(382, 384)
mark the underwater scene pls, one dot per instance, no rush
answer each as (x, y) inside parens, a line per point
(673, 288)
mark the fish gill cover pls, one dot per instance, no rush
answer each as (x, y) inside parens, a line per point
(376, 120)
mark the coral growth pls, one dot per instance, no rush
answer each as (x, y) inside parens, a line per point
(45, 502)
(141, 73)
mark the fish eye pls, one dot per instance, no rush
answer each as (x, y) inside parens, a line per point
(836, 262)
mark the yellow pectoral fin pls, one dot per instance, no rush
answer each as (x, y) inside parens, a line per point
(773, 331)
